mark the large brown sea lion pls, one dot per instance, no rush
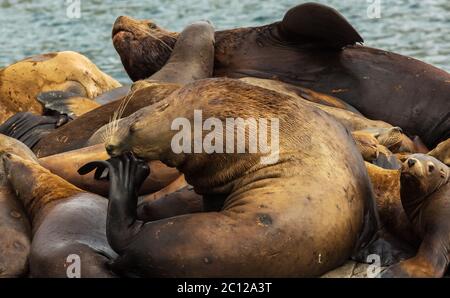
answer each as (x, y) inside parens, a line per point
(278, 219)
(312, 47)
(68, 224)
(425, 196)
(23, 81)
(15, 230)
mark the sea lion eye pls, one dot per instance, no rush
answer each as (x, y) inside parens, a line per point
(152, 25)
(430, 168)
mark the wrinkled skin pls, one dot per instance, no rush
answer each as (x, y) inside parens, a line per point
(304, 50)
(67, 164)
(442, 152)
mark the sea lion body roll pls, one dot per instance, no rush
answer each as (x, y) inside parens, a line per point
(304, 50)
(274, 220)
(68, 224)
(425, 195)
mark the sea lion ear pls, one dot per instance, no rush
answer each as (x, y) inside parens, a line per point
(315, 22)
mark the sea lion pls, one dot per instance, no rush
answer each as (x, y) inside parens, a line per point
(15, 230)
(197, 38)
(425, 196)
(442, 152)
(279, 219)
(68, 224)
(21, 82)
(312, 47)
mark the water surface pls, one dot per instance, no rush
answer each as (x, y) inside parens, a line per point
(418, 28)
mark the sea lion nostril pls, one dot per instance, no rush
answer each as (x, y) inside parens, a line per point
(411, 162)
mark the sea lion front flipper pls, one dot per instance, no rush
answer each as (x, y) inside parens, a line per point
(319, 23)
(64, 102)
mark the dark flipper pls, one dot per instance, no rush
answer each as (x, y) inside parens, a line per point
(68, 103)
(319, 23)
(126, 175)
(30, 128)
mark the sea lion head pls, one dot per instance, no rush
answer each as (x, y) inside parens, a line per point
(9, 145)
(142, 134)
(143, 47)
(422, 175)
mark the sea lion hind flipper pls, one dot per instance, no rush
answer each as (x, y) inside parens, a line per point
(317, 22)
(28, 127)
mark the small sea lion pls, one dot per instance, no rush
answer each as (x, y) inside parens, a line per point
(68, 224)
(15, 229)
(22, 81)
(312, 47)
(425, 196)
(272, 220)
(442, 152)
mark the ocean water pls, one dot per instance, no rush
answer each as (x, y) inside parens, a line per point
(417, 28)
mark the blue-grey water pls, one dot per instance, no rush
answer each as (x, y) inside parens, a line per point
(418, 28)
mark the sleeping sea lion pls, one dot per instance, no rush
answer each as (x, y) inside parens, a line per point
(23, 81)
(300, 216)
(312, 47)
